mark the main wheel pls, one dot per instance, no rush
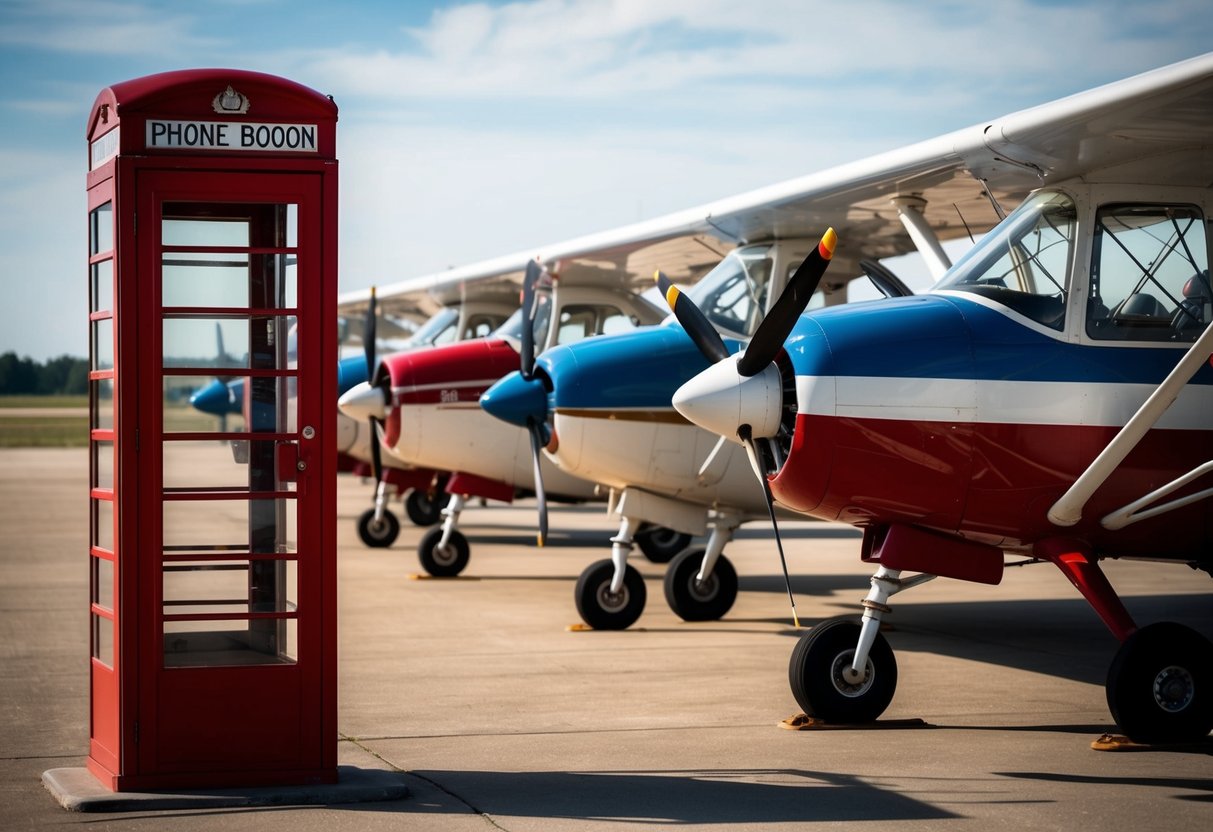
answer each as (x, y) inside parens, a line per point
(692, 600)
(660, 544)
(1160, 684)
(819, 671)
(423, 508)
(446, 561)
(603, 609)
(378, 535)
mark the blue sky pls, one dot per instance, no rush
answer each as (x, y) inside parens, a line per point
(470, 130)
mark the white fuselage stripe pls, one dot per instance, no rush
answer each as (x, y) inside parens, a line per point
(444, 385)
(996, 402)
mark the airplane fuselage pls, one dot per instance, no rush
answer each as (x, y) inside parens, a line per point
(943, 411)
(436, 422)
(615, 425)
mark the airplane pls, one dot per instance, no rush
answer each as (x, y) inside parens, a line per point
(453, 316)
(1049, 400)
(426, 401)
(659, 467)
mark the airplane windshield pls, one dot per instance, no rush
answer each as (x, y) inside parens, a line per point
(1024, 263)
(733, 295)
(511, 330)
(434, 330)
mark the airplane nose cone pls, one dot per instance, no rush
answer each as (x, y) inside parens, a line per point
(362, 402)
(721, 400)
(215, 399)
(515, 400)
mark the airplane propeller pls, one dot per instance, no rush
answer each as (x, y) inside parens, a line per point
(536, 428)
(368, 345)
(723, 396)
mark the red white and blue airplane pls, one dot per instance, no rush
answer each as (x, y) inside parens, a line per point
(1050, 398)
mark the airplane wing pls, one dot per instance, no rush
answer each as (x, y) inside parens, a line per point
(948, 187)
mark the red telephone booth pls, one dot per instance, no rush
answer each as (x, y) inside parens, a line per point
(212, 204)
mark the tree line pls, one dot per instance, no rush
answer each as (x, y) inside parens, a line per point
(64, 375)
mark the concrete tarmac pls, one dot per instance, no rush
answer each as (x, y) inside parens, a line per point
(500, 717)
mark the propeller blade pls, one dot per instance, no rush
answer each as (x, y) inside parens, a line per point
(889, 284)
(368, 336)
(537, 443)
(777, 325)
(376, 459)
(760, 469)
(533, 271)
(696, 324)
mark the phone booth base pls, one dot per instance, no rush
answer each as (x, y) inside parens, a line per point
(212, 198)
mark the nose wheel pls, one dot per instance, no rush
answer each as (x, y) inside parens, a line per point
(1160, 684)
(825, 684)
(378, 534)
(694, 600)
(604, 609)
(443, 560)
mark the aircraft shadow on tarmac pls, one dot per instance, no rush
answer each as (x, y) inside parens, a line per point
(683, 797)
(1057, 637)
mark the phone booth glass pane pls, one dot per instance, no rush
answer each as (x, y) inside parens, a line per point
(229, 579)
(102, 278)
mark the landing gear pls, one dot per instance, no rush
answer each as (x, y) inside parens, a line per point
(444, 551)
(424, 508)
(843, 670)
(378, 534)
(378, 527)
(827, 686)
(660, 544)
(693, 598)
(1160, 685)
(698, 595)
(607, 607)
(443, 559)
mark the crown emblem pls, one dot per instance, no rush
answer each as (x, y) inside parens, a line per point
(230, 101)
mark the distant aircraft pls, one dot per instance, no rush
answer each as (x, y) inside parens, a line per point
(1051, 399)
(427, 402)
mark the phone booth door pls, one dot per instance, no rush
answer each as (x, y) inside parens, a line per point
(231, 592)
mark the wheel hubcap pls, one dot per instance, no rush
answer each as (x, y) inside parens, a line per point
(444, 555)
(703, 590)
(1174, 689)
(612, 601)
(847, 682)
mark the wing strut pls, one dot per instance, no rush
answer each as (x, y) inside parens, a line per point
(1068, 510)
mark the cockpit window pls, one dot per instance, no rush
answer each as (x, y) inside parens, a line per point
(733, 295)
(512, 328)
(438, 329)
(1149, 274)
(1024, 263)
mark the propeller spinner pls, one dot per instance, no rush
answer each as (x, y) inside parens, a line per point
(741, 397)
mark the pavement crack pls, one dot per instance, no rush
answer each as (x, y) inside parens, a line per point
(470, 806)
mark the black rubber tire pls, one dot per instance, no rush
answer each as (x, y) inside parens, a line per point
(443, 564)
(660, 544)
(423, 508)
(1160, 684)
(816, 664)
(693, 602)
(594, 603)
(381, 536)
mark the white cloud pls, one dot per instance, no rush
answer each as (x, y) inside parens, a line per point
(99, 28)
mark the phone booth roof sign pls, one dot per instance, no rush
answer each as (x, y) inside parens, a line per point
(221, 111)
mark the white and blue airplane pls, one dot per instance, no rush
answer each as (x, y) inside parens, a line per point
(1049, 400)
